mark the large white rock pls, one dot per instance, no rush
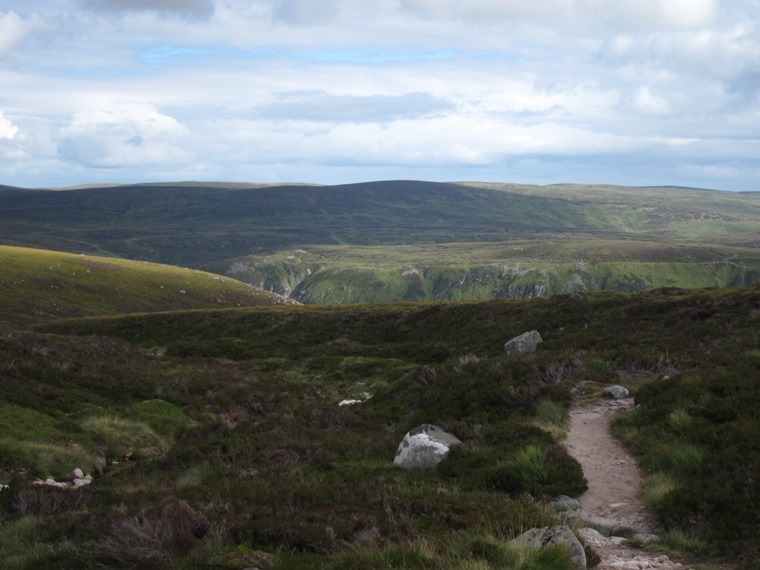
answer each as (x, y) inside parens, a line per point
(526, 342)
(424, 446)
(616, 392)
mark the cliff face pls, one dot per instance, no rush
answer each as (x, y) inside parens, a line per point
(317, 283)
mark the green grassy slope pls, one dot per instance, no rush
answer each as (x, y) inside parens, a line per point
(480, 271)
(191, 224)
(37, 285)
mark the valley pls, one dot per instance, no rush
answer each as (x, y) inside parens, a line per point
(155, 416)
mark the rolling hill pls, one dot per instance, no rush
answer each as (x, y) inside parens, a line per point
(413, 240)
(38, 285)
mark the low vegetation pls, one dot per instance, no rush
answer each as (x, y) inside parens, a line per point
(217, 441)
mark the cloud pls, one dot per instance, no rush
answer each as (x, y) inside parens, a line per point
(322, 106)
(12, 29)
(652, 14)
(7, 129)
(198, 8)
(110, 139)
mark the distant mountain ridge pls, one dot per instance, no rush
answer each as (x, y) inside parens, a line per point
(216, 224)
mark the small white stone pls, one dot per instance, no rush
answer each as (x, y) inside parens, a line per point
(78, 474)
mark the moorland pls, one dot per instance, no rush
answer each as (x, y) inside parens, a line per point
(213, 432)
(406, 240)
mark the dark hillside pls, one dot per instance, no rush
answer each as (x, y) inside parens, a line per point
(192, 224)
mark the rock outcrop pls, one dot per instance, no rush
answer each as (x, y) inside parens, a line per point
(425, 446)
(526, 342)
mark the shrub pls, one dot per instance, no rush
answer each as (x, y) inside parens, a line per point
(153, 539)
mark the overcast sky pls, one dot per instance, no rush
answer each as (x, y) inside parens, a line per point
(636, 92)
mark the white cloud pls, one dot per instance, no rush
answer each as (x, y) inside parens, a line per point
(649, 103)
(139, 136)
(151, 88)
(7, 129)
(184, 7)
(12, 29)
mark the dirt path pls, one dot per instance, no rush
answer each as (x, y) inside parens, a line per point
(614, 485)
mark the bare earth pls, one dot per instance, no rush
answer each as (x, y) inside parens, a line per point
(614, 486)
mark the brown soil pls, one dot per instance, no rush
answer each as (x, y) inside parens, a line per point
(614, 484)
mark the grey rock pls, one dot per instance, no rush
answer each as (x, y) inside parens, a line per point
(78, 474)
(526, 342)
(565, 503)
(607, 527)
(592, 536)
(645, 538)
(616, 392)
(551, 535)
(424, 446)
(80, 482)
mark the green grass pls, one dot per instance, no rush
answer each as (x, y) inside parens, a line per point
(482, 271)
(125, 438)
(47, 459)
(38, 285)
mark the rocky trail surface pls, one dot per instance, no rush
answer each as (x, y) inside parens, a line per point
(611, 511)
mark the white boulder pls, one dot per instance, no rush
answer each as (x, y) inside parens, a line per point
(424, 446)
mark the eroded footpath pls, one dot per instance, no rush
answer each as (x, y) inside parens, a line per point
(611, 509)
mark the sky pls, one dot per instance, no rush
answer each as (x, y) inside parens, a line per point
(631, 92)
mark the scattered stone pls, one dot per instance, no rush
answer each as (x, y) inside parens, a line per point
(4, 487)
(616, 392)
(551, 535)
(565, 503)
(607, 527)
(78, 474)
(526, 342)
(80, 482)
(424, 446)
(349, 402)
